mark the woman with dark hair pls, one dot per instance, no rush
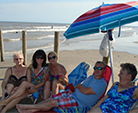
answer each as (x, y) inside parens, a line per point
(39, 75)
(39, 54)
(39, 71)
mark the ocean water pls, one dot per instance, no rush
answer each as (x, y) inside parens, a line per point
(41, 36)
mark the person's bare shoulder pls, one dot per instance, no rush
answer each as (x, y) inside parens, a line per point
(61, 66)
(135, 94)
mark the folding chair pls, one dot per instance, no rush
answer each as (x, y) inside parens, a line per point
(134, 81)
(34, 97)
(107, 76)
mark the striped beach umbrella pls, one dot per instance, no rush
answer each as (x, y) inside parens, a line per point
(104, 17)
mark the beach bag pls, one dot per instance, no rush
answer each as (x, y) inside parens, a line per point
(104, 47)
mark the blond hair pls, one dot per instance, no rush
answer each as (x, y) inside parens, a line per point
(52, 53)
(15, 54)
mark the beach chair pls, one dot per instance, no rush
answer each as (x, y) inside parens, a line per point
(134, 81)
(107, 76)
(34, 97)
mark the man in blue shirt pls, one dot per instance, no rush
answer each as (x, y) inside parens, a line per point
(85, 94)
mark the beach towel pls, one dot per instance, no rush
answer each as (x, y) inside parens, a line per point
(79, 74)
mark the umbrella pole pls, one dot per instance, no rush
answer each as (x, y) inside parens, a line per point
(111, 60)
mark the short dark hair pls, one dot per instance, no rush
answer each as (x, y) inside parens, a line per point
(99, 62)
(38, 53)
(130, 68)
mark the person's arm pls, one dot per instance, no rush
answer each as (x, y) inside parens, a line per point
(133, 111)
(39, 85)
(85, 90)
(65, 79)
(29, 74)
(64, 75)
(4, 82)
(135, 96)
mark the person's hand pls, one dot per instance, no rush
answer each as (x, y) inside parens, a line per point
(79, 85)
(61, 77)
(70, 91)
(71, 87)
(31, 89)
(4, 92)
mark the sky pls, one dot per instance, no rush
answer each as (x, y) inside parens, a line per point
(48, 11)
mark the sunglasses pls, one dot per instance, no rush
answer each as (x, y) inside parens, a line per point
(99, 68)
(38, 57)
(18, 58)
(53, 57)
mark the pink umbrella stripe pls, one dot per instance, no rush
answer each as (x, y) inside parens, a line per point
(104, 10)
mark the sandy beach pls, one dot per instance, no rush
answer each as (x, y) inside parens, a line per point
(70, 59)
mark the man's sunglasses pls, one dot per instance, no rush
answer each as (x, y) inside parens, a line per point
(99, 68)
(53, 57)
(38, 57)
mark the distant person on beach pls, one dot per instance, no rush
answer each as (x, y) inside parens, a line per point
(85, 94)
(39, 75)
(58, 77)
(14, 76)
(122, 95)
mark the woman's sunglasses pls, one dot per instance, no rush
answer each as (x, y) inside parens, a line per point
(38, 57)
(18, 58)
(53, 57)
(99, 68)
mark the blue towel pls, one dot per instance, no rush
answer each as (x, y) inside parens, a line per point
(79, 74)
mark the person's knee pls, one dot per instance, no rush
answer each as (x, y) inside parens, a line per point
(48, 83)
(55, 82)
(24, 83)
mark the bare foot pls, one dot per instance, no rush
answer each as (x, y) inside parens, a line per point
(22, 106)
(19, 107)
(24, 111)
(20, 110)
